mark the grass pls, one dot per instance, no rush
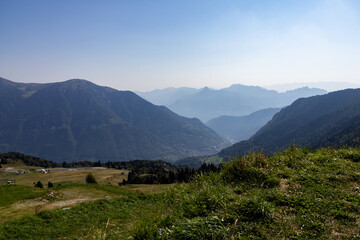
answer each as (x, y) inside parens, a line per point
(110, 218)
(11, 193)
(18, 201)
(103, 176)
(296, 194)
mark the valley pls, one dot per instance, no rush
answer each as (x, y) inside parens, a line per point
(180, 120)
(288, 174)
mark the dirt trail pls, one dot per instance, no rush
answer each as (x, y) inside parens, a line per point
(51, 201)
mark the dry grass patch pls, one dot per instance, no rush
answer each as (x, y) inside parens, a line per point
(103, 176)
(147, 188)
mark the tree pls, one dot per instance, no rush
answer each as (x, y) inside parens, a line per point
(39, 185)
(90, 178)
(50, 184)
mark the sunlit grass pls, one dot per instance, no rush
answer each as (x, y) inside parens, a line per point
(297, 194)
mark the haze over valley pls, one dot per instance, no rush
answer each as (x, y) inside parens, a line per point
(179, 119)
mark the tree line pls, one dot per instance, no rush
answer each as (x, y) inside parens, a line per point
(167, 177)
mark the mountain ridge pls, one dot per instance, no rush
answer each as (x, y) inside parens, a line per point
(236, 100)
(305, 122)
(78, 120)
(237, 128)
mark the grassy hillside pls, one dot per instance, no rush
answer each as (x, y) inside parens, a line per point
(296, 194)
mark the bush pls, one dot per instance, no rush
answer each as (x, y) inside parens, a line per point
(200, 228)
(254, 168)
(39, 185)
(50, 184)
(90, 178)
(254, 209)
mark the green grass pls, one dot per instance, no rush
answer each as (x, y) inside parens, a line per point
(297, 194)
(13, 193)
(103, 218)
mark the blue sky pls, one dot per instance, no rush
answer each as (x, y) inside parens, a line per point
(144, 45)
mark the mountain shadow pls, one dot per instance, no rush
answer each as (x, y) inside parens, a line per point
(331, 119)
(238, 128)
(77, 120)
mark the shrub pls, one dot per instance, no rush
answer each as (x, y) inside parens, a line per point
(90, 178)
(200, 228)
(351, 154)
(271, 182)
(39, 185)
(255, 168)
(50, 184)
(254, 209)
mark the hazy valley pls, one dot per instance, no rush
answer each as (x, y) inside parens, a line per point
(93, 135)
(179, 120)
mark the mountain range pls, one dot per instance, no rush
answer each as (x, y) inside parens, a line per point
(167, 96)
(77, 120)
(236, 100)
(328, 86)
(240, 128)
(319, 121)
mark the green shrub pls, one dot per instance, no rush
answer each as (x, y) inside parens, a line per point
(90, 178)
(199, 228)
(270, 182)
(243, 169)
(351, 154)
(254, 209)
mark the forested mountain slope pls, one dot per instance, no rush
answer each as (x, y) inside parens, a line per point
(77, 120)
(312, 122)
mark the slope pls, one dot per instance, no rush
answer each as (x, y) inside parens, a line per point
(306, 122)
(78, 120)
(349, 136)
(167, 96)
(236, 100)
(238, 128)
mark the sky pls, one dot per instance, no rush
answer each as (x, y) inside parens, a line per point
(144, 45)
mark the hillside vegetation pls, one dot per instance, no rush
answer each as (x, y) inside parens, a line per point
(77, 120)
(319, 121)
(295, 194)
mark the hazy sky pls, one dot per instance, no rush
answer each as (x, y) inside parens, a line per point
(148, 44)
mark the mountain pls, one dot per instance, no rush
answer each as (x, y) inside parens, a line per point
(238, 128)
(77, 120)
(236, 100)
(349, 137)
(167, 96)
(312, 122)
(328, 86)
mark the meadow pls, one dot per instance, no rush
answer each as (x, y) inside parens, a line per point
(296, 194)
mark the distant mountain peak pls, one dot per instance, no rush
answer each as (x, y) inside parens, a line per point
(77, 82)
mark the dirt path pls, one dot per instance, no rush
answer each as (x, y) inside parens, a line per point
(53, 200)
